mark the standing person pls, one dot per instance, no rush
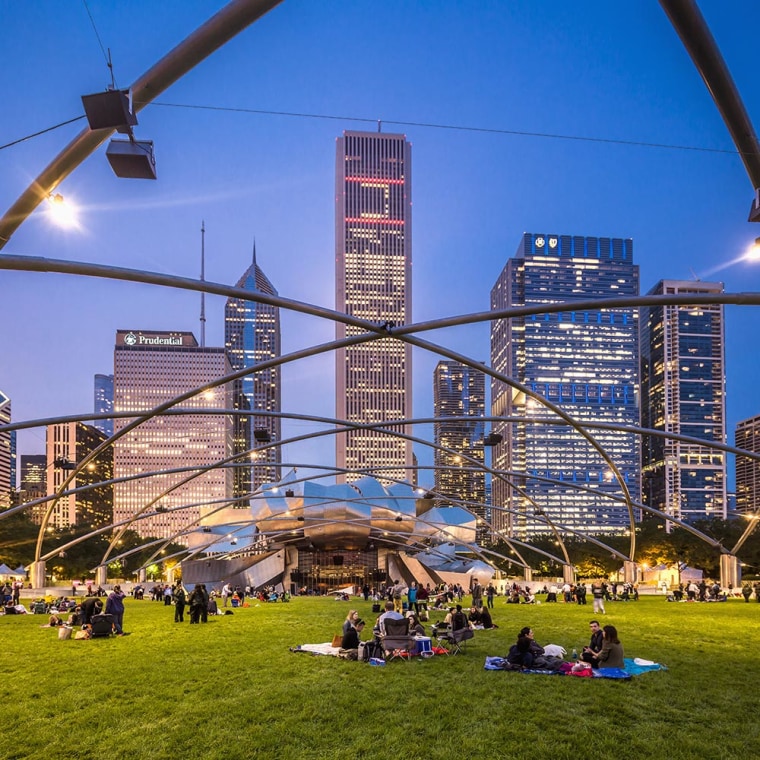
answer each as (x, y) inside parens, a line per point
(591, 652)
(490, 594)
(204, 608)
(196, 604)
(567, 593)
(226, 593)
(167, 595)
(397, 594)
(365, 591)
(411, 598)
(597, 592)
(179, 603)
(115, 607)
(477, 595)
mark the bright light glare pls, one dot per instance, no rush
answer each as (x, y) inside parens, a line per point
(753, 253)
(63, 213)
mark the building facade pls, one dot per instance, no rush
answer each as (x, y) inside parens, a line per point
(251, 337)
(66, 444)
(747, 436)
(683, 392)
(583, 360)
(33, 468)
(104, 402)
(373, 260)
(150, 369)
(459, 391)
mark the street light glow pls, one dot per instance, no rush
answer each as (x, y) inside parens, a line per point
(62, 212)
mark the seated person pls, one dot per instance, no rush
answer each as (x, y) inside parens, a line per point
(415, 627)
(611, 655)
(391, 613)
(350, 642)
(75, 618)
(475, 616)
(54, 621)
(351, 618)
(459, 619)
(525, 651)
(591, 652)
(485, 619)
(212, 607)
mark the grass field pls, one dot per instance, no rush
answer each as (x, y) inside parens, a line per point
(232, 689)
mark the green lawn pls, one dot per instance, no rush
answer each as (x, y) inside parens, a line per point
(231, 689)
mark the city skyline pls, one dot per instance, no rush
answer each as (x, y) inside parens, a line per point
(272, 176)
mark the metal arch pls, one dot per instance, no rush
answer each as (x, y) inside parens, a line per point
(479, 466)
(696, 37)
(213, 34)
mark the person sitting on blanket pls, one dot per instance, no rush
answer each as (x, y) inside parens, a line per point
(591, 652)
(474, 617)
(351, 618)
(485, 619)
(350, 644)
(525, 651)
(611, 655)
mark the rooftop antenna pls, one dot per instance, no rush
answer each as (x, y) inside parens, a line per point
(379, 125)
(203, 279)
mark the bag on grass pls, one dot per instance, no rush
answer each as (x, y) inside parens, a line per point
(337, 640)
(64, 633)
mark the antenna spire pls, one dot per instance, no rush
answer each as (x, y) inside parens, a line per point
(203, 279)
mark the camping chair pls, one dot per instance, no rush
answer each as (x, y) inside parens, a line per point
(454, 641)
(396, 638)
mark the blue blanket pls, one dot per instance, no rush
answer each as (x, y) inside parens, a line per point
(631, 669)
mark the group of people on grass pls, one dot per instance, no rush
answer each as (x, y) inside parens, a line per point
(603, 651)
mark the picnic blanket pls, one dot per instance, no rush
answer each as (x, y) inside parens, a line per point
(633, 667)
(327, 648)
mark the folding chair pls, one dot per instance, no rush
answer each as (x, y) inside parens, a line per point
(396, 639)
(454, 641)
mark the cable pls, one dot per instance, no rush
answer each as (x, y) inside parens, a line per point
(454, 127)
(100, 42)
(41, 132)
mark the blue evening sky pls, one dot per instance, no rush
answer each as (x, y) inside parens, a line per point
(594, 69)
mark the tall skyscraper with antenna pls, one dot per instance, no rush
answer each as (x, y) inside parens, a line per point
(373, 272)
(252, 336)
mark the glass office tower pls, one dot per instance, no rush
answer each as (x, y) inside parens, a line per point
(460, 391)
(747, 436)
(104, 402)
(252, 336)
(373, 273)
(683, 391)
(584, 360)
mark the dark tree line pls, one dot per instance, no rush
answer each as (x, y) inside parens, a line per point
(18, 539)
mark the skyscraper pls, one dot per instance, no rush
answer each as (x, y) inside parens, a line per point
(373, 260)
(6, 453)
(683, 391)
(151, 368)
(459, 391)
(252, 336)
(747, 436)
(583, 360)
(104, 402)
(33, 477)
(68, 443)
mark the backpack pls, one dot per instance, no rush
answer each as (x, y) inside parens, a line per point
(368, 650)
